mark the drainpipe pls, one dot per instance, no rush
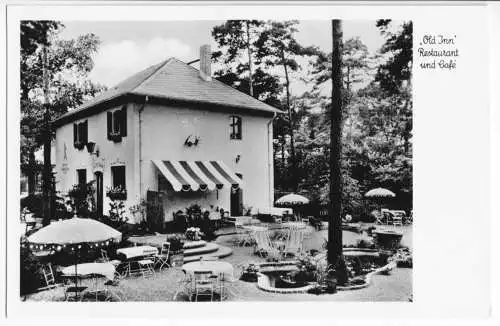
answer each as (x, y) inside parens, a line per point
(146, 99)
(269, 159)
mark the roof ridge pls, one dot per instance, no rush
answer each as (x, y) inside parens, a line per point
(160, 66)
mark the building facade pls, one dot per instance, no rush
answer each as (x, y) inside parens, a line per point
(173, 131)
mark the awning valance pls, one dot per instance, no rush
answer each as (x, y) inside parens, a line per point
(198, 175)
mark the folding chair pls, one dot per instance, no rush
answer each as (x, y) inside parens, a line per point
(146, 266)
(204, 284)
(162, 258)
(48, 275)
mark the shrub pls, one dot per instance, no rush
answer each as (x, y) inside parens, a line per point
(31, 276)
(176, 243)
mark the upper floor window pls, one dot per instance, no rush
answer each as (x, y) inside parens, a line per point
(117, 124)
(80, 134)
(235, 127)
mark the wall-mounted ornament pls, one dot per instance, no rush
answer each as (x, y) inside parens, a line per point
(192, 141)
(90, 147)
(238, 158)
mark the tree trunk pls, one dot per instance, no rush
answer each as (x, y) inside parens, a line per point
(250, 81)
(335, 221)
(31, 172)
(290, 125)
(47, 165)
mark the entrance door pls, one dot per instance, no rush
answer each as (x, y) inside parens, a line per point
(237, 200)
(99, 193)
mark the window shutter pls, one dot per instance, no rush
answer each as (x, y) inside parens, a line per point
(85, 134)
(75, 134)
(123, 121)
(110, 124)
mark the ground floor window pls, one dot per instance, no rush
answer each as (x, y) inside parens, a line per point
(118, 176)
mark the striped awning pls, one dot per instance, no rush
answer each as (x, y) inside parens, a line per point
(198, 175)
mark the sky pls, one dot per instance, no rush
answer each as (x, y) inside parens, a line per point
(128, 47)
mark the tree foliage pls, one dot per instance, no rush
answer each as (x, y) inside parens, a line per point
(67, 66)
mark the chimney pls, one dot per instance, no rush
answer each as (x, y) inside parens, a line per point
(205, 62)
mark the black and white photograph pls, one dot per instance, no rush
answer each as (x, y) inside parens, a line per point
(216, 160)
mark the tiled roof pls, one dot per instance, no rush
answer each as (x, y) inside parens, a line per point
(175, 80)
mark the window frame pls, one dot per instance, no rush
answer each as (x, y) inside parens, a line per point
(113, 176)
(78, 171)
(236, 127)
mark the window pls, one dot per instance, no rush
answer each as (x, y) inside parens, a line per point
(80, 134)
(118, 176)
(235, 127)
(82, 177)
(117, 124)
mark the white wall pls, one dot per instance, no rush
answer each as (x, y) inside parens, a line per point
(111, 154)
(165, 130)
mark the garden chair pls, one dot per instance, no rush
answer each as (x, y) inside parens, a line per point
(113, 288)
(397, 220)
(146, 266)
(105, 258)
(48, 275)
(204, 284)
(162, 258)
(294, 243)
(264, 245)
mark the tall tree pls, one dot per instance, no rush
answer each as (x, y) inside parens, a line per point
(278, 47)
(334, 255)
(237, 42)
(53, 80)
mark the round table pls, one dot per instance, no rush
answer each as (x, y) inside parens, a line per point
(84, 270)
(216, 267)
(255, 228)
(295, 225)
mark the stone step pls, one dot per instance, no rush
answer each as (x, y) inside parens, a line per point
(222, 252)
(208, 248)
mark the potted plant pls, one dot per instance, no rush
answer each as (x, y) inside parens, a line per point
(116, 193)
(193, 234)
(115, 136)
(176, 250)
(249, 273)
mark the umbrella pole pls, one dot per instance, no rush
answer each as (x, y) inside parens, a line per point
(76, 272)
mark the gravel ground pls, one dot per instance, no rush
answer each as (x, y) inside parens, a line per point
(164, 286)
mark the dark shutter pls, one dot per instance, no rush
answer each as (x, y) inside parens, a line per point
(123, 121)
(110, 124)
(75, 134)
(85, 134)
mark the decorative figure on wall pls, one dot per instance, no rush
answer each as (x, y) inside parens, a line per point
(192, 141)
(238, 158)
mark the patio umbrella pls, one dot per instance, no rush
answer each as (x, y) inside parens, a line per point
(292, 200)
(380, 194)
(72, 234)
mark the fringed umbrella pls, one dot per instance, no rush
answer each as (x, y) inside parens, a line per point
(380, 194)
(72, 234)
(292, 200)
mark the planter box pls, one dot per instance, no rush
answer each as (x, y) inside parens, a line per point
(176, 259)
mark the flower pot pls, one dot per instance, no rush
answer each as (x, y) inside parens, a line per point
(176, 258)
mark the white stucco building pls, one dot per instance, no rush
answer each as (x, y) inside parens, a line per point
(171, 130)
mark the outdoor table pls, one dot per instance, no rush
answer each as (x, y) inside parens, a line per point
(216, 267)
(255, 228)
(295, 225)
(136, 252)
(90, 270)
(133, 254)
